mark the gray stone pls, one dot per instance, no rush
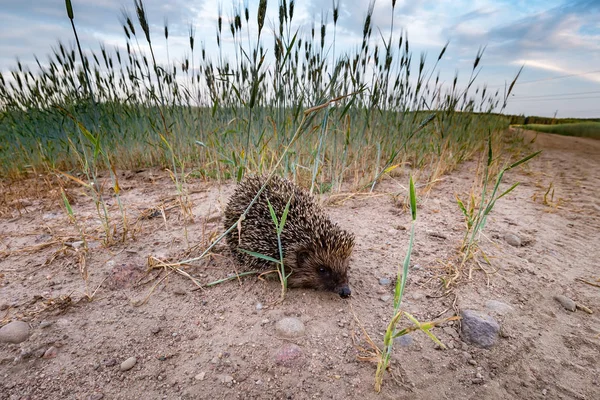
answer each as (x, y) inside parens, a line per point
(385, 297)
(128, 364)
(479, 329)
(290, 327)
(226, 379)
(51, 352)
(45, 324)
(384, 281)
(259, 306)
(14, 332)
(404, 340)
(95, 396)
(200, 376)
(110, 362)
(512, 239)
(566, 302)
(498, 307)
(39, 353)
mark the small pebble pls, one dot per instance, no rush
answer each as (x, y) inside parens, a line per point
(128, 364)
(95, 396)
(290, 327)
(566, 302)
(25, 353)
(227, 379)
(14, 332)
(384, 281)
(155, 330)
(39, 353)
(259, 306)
(512, 239)
(498, 307)
(51, 352)
(404, 340)
(479, 328)
(200, 376)
(289, 355)
(385, 298)
(472, 362)
(110, 363)
(45, 324)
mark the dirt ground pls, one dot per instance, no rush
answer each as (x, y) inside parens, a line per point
(221, 342)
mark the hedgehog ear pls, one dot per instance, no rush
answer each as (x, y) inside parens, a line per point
(302, 257)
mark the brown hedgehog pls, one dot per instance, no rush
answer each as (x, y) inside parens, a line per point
(315, 250)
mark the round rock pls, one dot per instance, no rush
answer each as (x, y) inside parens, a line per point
(498, 307)
(289, 355)
(512, 239)
(479, 329)
(128, 364)
(14, 332)
(290, 327)
(566, 302)
(384, 281)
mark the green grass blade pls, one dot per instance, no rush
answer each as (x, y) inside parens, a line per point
(67, 204)
(462, 207)
(413, 200)
(284, 216)
(523, 160)
(273, 215)
(258, 255)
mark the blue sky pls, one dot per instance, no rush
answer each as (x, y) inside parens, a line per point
(557, 41)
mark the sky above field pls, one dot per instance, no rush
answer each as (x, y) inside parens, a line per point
(558, 42)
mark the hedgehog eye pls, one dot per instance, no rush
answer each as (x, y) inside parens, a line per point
(324, 271)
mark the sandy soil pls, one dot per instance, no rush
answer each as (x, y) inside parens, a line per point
(216, 343)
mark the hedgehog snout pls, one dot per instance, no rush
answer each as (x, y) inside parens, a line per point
(344, 291)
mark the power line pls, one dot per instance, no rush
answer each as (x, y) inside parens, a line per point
(560, 99)
(549, 79)
(558, 77)
(516, 96)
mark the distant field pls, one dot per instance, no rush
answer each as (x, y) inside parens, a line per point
(582, 129)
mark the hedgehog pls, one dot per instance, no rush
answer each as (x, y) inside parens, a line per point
(315, 250)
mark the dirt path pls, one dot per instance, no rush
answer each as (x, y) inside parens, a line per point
(222, 342)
